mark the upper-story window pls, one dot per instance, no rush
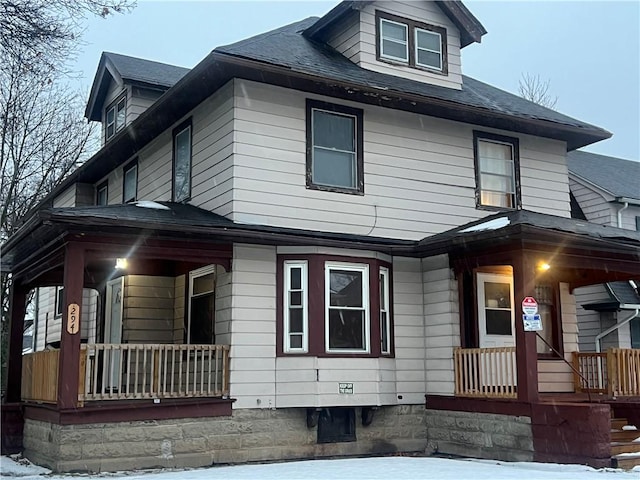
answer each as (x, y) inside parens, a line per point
(411, 43)
(115, 117)
(130, 182)
(182, 162)
(334, 148)
(102, 193)
(497, 168)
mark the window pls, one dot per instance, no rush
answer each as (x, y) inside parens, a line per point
(385, 327)
(638, 224)
(347, 307)
(334, 148)
(497, 171)
(545, 295)
(59, 301)
(394, 40)
(102, 194)
(331, 306)
(115, 117)
(182, 162)
(411, 43)
(130, 183)
(201, 315)
(296, 309)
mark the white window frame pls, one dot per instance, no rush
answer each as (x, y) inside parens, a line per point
(200, 272)
(439, 51)
(514, 188)
(58, 301)
(354, 153)
(355, 267)
(128, 171)
(119, 105)
(385, 327)
(406, 43)
(288, 266)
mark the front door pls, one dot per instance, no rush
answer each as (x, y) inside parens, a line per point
(113, 331)
(495, 310)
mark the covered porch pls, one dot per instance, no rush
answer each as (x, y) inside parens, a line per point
(501, 368)
(158, 339)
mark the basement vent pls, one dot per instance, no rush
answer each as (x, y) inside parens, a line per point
(337, 424)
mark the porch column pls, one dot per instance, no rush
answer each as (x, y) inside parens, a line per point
(18, 309)
(526, 350)
(69, 364)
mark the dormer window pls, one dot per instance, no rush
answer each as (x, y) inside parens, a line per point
(115, 117)
(410, 43)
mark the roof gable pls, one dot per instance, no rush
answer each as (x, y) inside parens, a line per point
(129, 70)
(471, 30)
(618, 177)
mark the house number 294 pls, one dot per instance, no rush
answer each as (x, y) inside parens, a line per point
(73, 318)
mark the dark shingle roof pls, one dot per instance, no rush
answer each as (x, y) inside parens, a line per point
(624, 293)
(146, 71)
(287, 47)
(616, 176)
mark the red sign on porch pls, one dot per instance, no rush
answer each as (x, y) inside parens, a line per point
(529, 306)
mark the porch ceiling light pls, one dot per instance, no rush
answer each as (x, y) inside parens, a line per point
(121, 263)
(543, 266)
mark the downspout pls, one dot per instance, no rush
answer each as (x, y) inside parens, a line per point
(625, 205)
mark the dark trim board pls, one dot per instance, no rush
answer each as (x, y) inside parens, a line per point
(129, 411)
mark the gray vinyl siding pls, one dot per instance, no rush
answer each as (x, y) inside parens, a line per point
(138, 100)
(345, 37)
(589, 320)
(223, 307)
(148, 313)
(179, 314)
(629, 215)
(48, 326)
(442, 324)
(66, 199)
(594, 204)
(419, 170)
(427, 12)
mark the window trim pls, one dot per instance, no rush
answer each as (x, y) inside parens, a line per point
(102, 186)
(412, 26)
(133, 165)
(335, 109)
(384, 272)
(116, 126)
(303, 265)
(515, 146)
(187, 124)
(316, 306)
(59, 302)
(366, 308)
(191, 276)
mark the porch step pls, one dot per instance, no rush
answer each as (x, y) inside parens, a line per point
(624, 435)
(618, 423)
(624, 447)
(625, 461)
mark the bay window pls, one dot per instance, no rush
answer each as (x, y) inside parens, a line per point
(332, 306)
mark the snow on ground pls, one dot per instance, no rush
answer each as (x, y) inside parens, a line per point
(397, 468)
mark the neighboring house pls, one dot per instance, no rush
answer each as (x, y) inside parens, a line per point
(301, 241)
(606, 190)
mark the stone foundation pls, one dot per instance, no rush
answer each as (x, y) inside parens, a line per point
(481, 435)
(246, 436)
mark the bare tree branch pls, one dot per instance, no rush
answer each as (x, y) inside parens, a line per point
(533, 88)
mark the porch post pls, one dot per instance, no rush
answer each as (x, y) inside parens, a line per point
(526, 350)
(69, 364)
(18, 309)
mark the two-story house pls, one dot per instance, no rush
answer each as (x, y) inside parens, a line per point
(322, 240)
(606, 190)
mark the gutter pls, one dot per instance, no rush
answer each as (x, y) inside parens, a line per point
(635, 314)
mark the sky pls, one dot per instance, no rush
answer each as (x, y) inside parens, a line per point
(397, 468)
(589, 51)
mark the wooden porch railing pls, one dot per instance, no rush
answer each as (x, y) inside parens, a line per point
(593, 368)
(135, 371)
(40, 376)
(485, 372)
(615, 372)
